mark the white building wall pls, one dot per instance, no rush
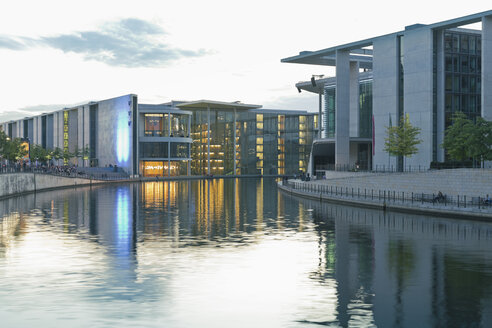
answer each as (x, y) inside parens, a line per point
(114, 142)
(385, 95)
(418, 90)
(342, 109)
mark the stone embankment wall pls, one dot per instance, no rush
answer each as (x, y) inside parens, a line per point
(470, 182)
(20, 183)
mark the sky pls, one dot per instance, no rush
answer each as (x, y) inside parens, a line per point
(59, 53)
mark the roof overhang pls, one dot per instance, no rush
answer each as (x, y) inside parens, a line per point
(204, 104)
(359, 52)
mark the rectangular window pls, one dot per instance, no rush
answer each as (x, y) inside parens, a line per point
(456, 43)
(448, 42)
(464, 43)
(464, 83)
(464, 64)
(154, 125)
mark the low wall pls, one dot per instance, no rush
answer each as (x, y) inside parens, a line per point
(470, 182)
(12, 184)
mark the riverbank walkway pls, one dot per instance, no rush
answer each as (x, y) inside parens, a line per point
(464, 191)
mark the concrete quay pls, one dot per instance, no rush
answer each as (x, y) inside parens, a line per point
(364, 189)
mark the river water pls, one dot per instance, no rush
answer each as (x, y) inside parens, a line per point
(234, 253)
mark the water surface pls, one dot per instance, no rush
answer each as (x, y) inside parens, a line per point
(234, 253)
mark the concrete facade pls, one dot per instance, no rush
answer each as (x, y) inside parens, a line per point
(385, 94)
(418, 90)
(424, 72)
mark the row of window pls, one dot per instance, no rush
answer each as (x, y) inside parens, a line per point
(462, 43)
(463, 64)
(463, 83)
(160, 150)
(165, 125)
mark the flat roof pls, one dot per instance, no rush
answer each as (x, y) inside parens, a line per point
(326, 57)
(204, 104)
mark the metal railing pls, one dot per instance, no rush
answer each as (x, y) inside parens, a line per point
(392, 196)
(66, 171)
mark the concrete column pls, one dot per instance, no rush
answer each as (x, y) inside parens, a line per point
(440, 76)
(417, 90)
(342, 108)
(487, 68)
(354, 99)
(384, 96)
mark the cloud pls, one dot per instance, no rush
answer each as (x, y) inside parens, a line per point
(129, 42)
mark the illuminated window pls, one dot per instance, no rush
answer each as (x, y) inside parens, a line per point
(259, 141)
(259, 148)
(259, 117)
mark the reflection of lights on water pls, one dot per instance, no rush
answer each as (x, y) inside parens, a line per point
(123, 236)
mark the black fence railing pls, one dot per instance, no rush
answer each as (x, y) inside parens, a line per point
(393, 196)
(67, 171)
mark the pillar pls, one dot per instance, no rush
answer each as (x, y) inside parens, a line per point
(342, 109)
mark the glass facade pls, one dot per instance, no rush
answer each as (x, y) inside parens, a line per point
(462, 75)
(329, 116)
(365, 109)
(251, 142)
(462, 65)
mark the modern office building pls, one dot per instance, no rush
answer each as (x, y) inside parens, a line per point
(176, 138)
(425, 72)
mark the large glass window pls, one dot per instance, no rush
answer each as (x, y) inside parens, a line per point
(365, 109)
(179, 125)
(329, 117)
(153, 150)
(179, 150)
(156, 125)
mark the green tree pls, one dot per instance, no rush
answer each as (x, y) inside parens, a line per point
(402, 140)
(14, 150)
(457, 137)
(66, 155)
(481, 140)
(85, 153)
(57, 153)
(3, 143)
(464, 139)
(38, 153)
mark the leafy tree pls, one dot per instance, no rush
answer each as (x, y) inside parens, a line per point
(464, 139)
(38, 153)
(457, 137)
(481, 140)
(66, 155)
(14, 150)
(85, 153)
(3, 143)
(402, 140)
(57, 153)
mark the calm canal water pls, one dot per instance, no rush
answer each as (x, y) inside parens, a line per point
(234, 253)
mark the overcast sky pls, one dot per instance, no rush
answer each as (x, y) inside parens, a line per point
(59, 53)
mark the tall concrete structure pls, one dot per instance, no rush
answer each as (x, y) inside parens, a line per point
(425, 72)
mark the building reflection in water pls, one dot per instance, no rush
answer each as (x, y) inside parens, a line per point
(369, 267)
(404, 270)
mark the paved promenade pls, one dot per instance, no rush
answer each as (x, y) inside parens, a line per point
(465, 191)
